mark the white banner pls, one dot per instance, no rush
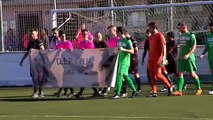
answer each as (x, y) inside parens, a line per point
(74, 68)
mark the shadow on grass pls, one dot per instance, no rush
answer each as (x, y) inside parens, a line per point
(47, 98)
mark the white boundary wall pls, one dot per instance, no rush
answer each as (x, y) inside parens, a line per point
(11, 74)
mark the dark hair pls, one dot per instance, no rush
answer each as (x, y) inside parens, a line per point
(211, 24)
(147, 32)
(34, 29)
(125, 31)
(171, 34)
(61, 32)
(121, 29)
(84, 30)
(55, 29)
(46, 30)
(181, 23)
(42, 34)
(153, 25)
(110, 26)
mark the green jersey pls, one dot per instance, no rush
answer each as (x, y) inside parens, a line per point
(186, 42)
(209, 45)
(124, 57)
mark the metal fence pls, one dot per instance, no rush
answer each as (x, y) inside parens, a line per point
(19, 16)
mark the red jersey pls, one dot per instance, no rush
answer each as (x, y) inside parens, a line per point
(156, 43)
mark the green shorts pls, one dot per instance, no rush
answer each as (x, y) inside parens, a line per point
(186, 65)
(211, 65)
(123, 69)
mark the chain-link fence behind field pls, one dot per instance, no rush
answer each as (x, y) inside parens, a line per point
(22, 15)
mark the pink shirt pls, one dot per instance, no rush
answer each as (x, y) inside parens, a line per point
(87, 44)
(80, 37)
(112, 42)
(64, 45)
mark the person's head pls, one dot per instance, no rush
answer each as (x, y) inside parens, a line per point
(62, 35)
(170, 35)
(83, 26)
(10, 32)
(46, 31)
(126, 34)
(42, 33)
(85, 34)
(182, 27)
(211, 27)
(34, 34)
(148, 33)
(112, 30)
(120, 31)
(153, 27)
(55, 32)
(98, 37)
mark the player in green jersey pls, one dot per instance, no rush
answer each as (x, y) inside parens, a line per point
(209, 49)
(186, 59)
(125, 48)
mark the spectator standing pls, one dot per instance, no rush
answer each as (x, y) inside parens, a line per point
(113, 39)
(11, 42)
(44, 38)
(79, 36)
(99, 42)
(34, 43)
(54, 38)
(66, 45)
(86, 44)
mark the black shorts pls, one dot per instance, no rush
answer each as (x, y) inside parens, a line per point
(133, 69)
(171, 67)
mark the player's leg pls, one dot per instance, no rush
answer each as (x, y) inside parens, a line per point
(72, 93)
(118, 83)
(165, 74)
(138, 81)
(180, 81)
(211, 68)
(35, 86)
(164, 80)
(129, 80)
(197, 83)
(79, 95)
(134, 65)
(191, 68)
(152, 73)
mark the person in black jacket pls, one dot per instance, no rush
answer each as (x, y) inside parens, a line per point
(34, 43)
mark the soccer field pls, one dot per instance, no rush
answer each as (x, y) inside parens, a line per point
(16, 104)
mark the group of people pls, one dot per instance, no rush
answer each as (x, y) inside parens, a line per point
(163, 59)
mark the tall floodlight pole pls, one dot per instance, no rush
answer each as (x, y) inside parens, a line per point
(1, 29)
(112, 12)
(54, 15)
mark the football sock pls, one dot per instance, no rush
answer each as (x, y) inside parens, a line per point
(180, 84)
(124, 86)
(138, 82)
(197, 83)
(118, 84)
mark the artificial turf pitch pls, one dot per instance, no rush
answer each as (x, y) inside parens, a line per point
(16, 104)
